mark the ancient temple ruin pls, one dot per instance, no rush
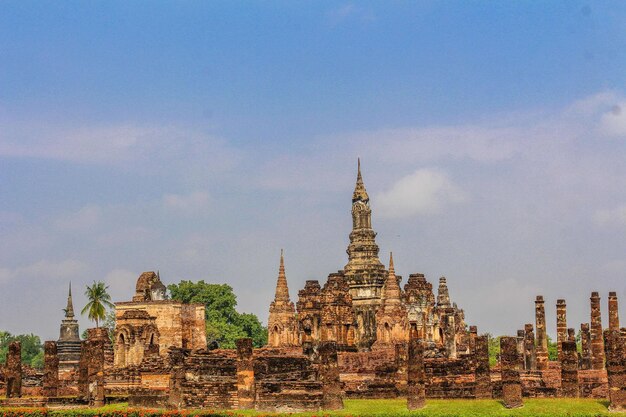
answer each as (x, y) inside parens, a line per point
(363, 305)
(151, 323)
(360, 334)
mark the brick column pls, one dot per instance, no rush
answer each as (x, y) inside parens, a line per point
(511, 384)
(50, 369)
(530, 354)
(245, 374)
(597, 345)
(329, 374)
(473, 333)
(613, 311)
(569, 369)
(482, 372)
(520, 349)
(585, 343)
(561, 325)
(615, 347)
(416, 376)
(402, 353)
(542, 337)
(13, 370)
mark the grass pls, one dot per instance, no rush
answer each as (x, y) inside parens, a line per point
(533, 407)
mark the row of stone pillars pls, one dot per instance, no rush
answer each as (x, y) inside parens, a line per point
(534, 347)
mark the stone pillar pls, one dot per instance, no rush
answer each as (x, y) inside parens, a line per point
(542, 337)
(597, 345)
(511, 384)
(245, 374)
(520, 349)
(482, 372)
(569, 369)
(561, 325)
(50, 369)
(416, 376)
(613, 311)
(13, 370)
(473, 334)
(450, 334)
(530, 354)
(329, 374)
(585, 343)
(402, 355)
(615, 347)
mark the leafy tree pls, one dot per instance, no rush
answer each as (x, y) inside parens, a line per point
(109, 324)
(99, 300)
(32, 349)
(224, 323)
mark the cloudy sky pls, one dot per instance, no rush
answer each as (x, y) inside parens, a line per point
(200, 138)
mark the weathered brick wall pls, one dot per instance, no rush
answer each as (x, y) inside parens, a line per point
(450, 378)
(286, 383)
(371, 374)
(593, 383)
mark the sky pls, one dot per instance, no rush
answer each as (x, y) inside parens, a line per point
(201, 138)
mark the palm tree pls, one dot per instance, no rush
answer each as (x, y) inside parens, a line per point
(99, 299)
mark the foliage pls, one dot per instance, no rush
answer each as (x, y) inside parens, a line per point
(32, 349)
(533, 407)
(99, 300)
(553, 352)
(109, 324)
(224, 323)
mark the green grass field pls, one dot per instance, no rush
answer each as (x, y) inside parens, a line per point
(395, 407)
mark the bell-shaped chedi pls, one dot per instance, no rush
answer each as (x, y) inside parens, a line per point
(392, 316)
(149, 287)
(282, 323)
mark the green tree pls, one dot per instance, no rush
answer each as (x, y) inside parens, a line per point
(99, 300)
(224, 323)
(32, 349)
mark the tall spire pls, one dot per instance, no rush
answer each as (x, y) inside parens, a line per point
(69, 310)
(391, 289)
(282, 291)
(359, 190)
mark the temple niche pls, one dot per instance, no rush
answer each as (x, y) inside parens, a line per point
(150, 324)
(363, 307)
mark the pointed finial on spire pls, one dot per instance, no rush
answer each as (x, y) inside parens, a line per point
(391, 290)
(359, 190)
(69, 310)
(282, 291)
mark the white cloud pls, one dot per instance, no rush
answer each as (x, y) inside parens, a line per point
(84, 220)
(45, 270)
(187, 203)
(613, 122)
(613, 216)
(425, 191)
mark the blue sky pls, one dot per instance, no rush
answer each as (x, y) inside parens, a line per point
(199, 138)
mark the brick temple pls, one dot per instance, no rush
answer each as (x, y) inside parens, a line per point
(359, 335)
